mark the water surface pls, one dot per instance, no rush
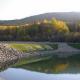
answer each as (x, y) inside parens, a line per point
(55, 68)
(21, 74)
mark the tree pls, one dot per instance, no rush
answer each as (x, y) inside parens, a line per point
(60, 26)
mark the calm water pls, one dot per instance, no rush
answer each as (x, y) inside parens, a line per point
(21, 74)
(52, 69)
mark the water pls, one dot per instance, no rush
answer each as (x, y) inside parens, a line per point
(53, 69)
(22, 74)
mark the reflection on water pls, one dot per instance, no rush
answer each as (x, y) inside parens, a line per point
(21, 74)
(55, 68)
(56, 65)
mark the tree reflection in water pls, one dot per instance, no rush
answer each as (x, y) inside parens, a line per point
(56, 65)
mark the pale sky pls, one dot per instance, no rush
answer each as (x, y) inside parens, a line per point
(17, 9)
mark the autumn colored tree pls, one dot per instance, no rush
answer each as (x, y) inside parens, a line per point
(60, 26)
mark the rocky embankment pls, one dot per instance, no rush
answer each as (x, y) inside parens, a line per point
(7, 56)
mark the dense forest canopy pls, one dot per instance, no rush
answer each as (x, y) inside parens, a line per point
(47, 30)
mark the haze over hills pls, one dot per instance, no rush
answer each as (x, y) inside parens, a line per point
(72, 17)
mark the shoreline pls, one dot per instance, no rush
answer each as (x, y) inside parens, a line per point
(10, 56)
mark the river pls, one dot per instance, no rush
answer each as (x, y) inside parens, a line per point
(22, 74)
(53, 69)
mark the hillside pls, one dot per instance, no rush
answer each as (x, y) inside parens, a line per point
(72, 17)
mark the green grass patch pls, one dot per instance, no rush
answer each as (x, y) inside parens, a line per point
(33, 47)
(75, 45)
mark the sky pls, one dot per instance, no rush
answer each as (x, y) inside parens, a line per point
(17, 9)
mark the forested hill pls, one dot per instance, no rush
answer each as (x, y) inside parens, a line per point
(72, 17)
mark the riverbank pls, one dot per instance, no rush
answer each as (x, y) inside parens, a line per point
(10, 54)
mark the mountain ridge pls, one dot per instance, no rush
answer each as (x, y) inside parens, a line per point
(72, 17)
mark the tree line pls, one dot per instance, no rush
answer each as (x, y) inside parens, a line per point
(48, 30)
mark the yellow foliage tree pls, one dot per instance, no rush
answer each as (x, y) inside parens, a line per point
(60, 26)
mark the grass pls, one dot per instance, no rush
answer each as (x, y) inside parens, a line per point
(75, 45)
(33, 47)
